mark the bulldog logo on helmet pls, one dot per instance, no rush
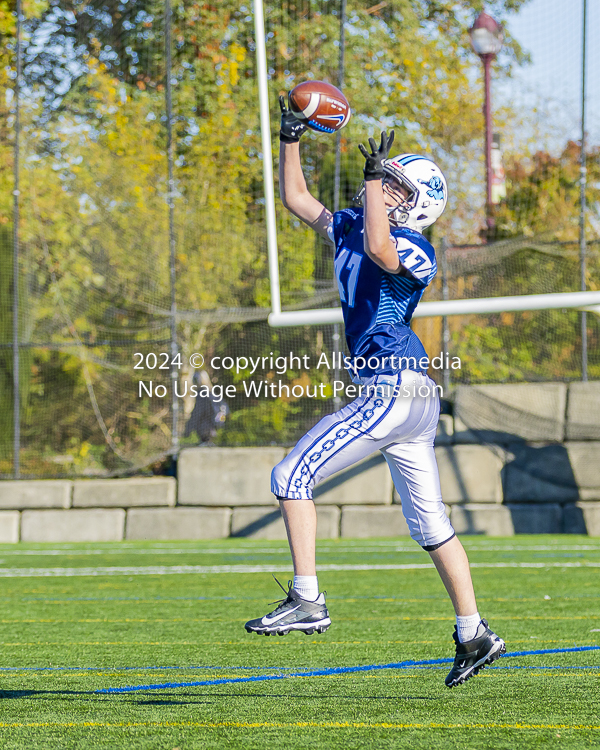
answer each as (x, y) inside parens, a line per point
(436, 188)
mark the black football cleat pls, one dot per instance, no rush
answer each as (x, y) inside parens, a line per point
(293, 613)
(473, 655)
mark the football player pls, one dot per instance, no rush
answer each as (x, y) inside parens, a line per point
(383, 264)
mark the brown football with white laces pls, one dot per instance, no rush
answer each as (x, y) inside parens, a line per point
(320, 106)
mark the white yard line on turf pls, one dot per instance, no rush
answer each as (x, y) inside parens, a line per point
(145, 551)
(370, 547)
(212, 569)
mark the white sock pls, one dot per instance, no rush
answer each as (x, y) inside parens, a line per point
(467, 627)
(307, 587)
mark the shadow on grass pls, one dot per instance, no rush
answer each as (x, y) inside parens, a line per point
(12, 694)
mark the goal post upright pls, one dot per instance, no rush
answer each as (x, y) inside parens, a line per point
(265, 131)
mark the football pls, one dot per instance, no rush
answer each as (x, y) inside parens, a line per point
(320, 106)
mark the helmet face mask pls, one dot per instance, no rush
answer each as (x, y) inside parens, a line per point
(402, 190)
(418, 187)
(404, 193)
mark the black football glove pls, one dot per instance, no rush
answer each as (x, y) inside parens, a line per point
(374, 161)
(291, 127)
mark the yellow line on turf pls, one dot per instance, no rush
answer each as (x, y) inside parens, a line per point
(20, 674)
(451, 619)
(378, 600)
(110, 643)
(379, 677)
(97, 620)
(383, 677)
(278, 725)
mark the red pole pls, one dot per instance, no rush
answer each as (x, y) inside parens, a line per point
(487, 113)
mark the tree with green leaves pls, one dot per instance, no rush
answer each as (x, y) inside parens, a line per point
(94, 181)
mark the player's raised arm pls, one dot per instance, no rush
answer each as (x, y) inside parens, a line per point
(295, 195)
(378, 245)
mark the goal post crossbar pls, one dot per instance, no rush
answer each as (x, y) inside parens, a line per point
(589, 301)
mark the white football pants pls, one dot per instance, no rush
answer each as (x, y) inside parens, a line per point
(393, 417)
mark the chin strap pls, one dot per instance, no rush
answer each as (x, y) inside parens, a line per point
(397, 216)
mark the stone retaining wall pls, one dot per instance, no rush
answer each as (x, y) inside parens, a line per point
(529, 462)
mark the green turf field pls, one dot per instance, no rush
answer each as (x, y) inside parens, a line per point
(81, 618)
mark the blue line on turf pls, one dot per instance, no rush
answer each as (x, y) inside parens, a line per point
(327, 672)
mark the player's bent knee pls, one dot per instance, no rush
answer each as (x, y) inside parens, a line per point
(430, 529)
(279, 477)
(286, 482)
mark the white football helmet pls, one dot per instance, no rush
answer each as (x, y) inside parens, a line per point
(426, 187)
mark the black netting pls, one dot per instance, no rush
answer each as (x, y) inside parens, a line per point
(101, 254)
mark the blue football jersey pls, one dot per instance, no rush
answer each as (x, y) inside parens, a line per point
(378, 305)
